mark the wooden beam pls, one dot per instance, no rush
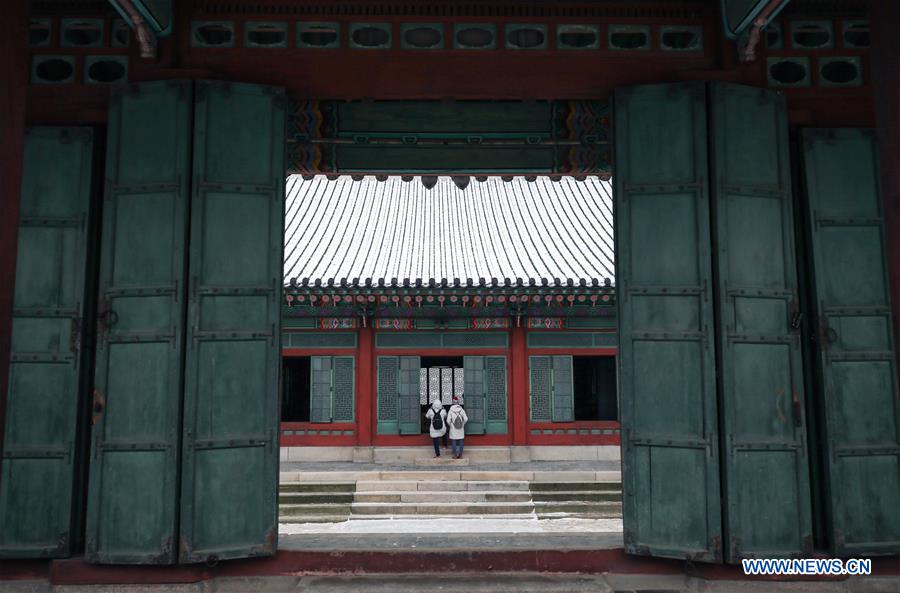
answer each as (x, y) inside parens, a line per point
(13, 93)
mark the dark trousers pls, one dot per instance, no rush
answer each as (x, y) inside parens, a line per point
(446, 439)
(437, 445)
(457, 443)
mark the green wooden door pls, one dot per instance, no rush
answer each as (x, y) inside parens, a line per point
(563, 404)
(138, 379)
(496, 396)
(343, 389)
(332, 388)
(765, 465)
(409, 411)
(540, 388)
(551, 388)
(387, 399)
(474, 393)
(320, 389)
(670, 467)
(36, 484)
(857, 358)
(229, 478)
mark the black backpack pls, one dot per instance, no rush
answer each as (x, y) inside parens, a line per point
(437, 422)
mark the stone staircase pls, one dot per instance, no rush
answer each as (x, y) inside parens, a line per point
(438, 498)
(421, 495)
(315, 502)
(582, 500)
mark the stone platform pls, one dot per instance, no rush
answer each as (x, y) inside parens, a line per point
(476, 455)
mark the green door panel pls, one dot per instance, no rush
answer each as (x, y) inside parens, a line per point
(670, 466)
(857, 359)
(36, 484)
(408, 409)
(496, 396)
(563, 390)
(320, 389)
(229, 477)
(343, 388)
(387, 386)
(138, 379)
(540, 387)
(474, 394)
(761, 373)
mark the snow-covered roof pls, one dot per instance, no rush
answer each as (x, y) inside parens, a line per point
(516, 232)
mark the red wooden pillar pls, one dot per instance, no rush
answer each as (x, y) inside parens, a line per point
(884, 20)
(13, 94)
(519, 387)
(365, 383)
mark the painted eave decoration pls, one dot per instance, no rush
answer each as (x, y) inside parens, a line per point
(450, 137)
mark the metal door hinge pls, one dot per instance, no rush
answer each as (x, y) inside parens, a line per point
(75, 336)
(97, 407)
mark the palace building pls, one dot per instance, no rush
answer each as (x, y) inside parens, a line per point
(397, 295)
(237, 235)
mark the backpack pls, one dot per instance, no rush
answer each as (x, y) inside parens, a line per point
(437, 422)
(457, 421)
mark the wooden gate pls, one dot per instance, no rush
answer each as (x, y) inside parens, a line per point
(670, 456)
(230, 436)
(857, 356)
(763, 430)
(201, 266)
(38, 465)
(133, 493)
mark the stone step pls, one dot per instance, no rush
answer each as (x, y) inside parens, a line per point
(574, 507)
(474, 455)
(588, 495)
(439, 486)
(465, 508)
(575, 486)
(291, 510)
(316, 487)
(460, 517)
(442, 461)
(297, 476)
(597, 515)
(443, 497)
(313, 518)
(315, 497)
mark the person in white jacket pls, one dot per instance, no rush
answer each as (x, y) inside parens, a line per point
(456, 421)
(437, 433)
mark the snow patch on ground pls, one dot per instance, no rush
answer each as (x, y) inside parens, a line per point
(457, 526)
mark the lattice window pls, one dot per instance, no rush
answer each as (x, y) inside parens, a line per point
(388, 375)
(540, 371)
(423, 387)
(495, 369)
(459, 383)
(343, 388)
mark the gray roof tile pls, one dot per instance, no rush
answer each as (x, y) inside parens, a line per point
(397, 233)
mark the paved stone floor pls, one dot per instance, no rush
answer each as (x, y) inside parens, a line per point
(466, 583)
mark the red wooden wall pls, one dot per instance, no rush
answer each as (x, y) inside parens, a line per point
(519, 427)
